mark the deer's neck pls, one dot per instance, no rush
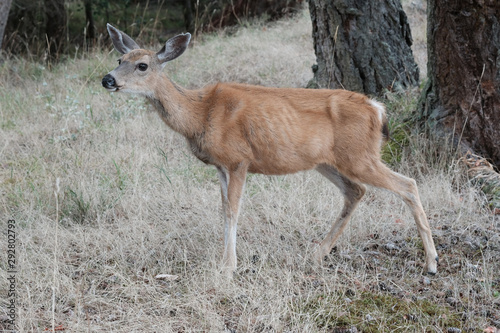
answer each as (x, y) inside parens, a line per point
(181, 109)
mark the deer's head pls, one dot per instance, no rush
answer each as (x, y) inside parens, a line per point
(139, 69)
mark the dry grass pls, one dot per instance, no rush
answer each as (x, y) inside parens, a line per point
(133, 203)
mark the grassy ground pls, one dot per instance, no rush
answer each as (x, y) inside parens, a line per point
(132, 203)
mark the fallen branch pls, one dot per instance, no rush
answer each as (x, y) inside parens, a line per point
(483, 175)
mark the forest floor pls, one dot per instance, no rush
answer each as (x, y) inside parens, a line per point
(105, 198)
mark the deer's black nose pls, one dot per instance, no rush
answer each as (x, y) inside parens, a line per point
(108, 81)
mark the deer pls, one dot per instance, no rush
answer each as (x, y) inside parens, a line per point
(241, 128)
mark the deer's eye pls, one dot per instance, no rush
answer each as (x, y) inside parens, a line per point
(119, 61)
(142, 67)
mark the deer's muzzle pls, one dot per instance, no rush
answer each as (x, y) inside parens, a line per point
(109, 83)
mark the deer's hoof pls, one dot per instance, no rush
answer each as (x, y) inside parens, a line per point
(432, 266)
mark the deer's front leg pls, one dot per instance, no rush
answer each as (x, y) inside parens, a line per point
(232, 184)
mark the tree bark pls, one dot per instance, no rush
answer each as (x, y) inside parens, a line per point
(462, 95)
(4, 15)
(55, 27)
(362, 45)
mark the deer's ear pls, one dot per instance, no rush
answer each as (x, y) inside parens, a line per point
(174, 47)
(123, 43)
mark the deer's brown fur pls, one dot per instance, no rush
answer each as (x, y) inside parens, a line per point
(242, 128)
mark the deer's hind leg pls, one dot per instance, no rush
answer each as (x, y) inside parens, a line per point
(380, 175)
(353, 192)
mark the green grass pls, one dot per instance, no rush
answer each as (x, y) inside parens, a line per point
(376, 311)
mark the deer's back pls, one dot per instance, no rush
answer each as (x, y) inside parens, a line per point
(279, 130)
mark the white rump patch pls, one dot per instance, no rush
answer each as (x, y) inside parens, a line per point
(380, 108)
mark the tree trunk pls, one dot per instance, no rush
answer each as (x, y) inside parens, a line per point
(362, 45)
(188, 16)
(55, 28)
(462, 95)
(4, 15)
(89, 18)
(232, 12)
